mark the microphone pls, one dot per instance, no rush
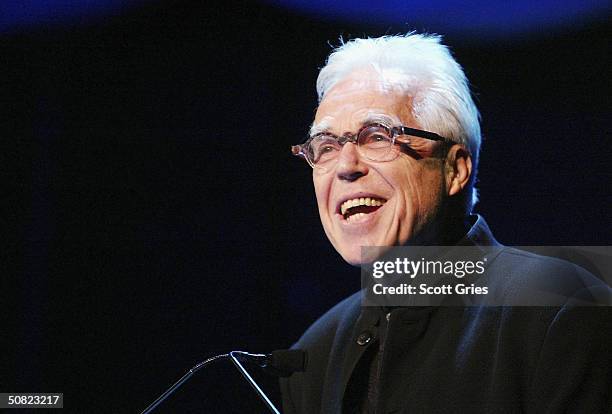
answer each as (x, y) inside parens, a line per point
(282, 363)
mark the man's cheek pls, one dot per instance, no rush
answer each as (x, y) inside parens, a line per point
(321, 200)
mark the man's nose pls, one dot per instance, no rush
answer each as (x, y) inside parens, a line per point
(350, 165)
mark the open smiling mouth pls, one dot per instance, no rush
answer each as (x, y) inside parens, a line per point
(358, 207)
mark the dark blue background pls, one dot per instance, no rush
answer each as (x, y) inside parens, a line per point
(164, 219)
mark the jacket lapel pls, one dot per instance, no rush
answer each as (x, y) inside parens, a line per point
(346, 352)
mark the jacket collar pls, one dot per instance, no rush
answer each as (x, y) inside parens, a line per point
(480, 233)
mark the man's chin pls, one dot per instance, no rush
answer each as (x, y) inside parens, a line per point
(359, 256)
(351, 254)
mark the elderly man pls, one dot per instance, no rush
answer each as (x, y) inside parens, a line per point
(394, 150)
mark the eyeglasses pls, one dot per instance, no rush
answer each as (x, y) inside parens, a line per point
(376, 142)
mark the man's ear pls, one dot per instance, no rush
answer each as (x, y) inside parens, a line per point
(458, 169)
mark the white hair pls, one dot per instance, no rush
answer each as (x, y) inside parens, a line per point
(426, 71)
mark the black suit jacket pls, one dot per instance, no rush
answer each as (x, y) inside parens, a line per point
(468, 359)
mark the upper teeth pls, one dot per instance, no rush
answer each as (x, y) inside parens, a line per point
(366, 201)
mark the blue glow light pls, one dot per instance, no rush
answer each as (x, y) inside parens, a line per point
(455, 16)
(15, 14)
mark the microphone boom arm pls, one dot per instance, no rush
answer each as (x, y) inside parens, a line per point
(234, 355)
(259, 359)
(180, 382)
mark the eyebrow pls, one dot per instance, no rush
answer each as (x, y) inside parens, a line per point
(315, 129)
(371, 118)
(378, 118)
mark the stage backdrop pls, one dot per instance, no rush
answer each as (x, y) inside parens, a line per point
(164, 219)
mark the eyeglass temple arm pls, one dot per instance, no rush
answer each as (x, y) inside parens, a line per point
(298, 151)
(420, 133)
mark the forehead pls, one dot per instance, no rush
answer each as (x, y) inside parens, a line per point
(361, 98)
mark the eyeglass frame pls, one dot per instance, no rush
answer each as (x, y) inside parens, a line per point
(394, 132)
